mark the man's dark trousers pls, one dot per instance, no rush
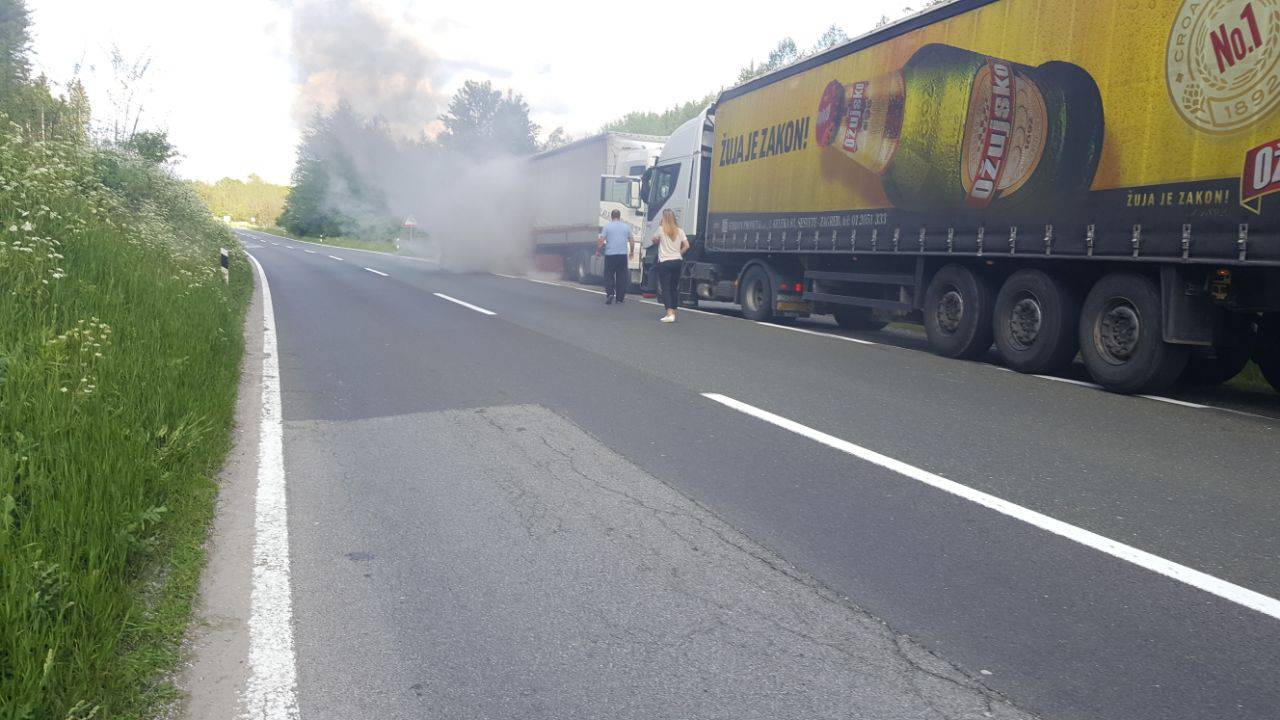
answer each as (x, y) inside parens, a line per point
(616, 276)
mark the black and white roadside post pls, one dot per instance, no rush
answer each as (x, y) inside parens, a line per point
(225, 261)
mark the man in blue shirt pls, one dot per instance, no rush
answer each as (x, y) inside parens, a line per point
(615, 239)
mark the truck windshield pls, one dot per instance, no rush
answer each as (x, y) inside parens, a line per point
(619, 190)
(661, 187)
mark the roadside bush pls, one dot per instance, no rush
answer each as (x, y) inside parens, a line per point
(119, 354)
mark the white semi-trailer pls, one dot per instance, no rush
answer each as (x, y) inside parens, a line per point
(1040, 176)
(575, 188)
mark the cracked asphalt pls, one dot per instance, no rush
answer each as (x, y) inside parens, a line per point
(536, 515)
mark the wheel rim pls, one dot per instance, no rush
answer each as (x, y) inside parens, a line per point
(1025, 319)
(1117, 332)
(755, 296)
(950, 311)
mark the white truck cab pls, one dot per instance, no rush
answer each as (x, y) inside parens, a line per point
(678, 181)
(575, 190)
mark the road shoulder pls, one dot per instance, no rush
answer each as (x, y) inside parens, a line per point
(217, 644)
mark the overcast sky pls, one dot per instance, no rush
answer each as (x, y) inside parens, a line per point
(226, 76)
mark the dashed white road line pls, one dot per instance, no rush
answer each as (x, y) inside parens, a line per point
(377, 272)
(309, 252)
(288, 247)
(335, 257)
(270, 692)
(464, 304)
(429, 261)
(1213, 585)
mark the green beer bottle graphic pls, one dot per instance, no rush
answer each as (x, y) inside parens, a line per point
(957, 131)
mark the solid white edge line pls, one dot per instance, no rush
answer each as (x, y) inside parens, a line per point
(1195, 578)
(464, 304)
(806, 331)
(1069, 381)
(1172, 401)
(377, 272)
(335, 257)
(270, 691)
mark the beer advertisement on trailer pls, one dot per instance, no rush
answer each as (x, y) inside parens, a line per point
(1089, 125)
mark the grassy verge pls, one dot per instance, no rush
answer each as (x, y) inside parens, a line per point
(386, 246)
(119, 362)
(1251, 379)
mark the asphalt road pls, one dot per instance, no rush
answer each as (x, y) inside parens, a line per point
(538, 513)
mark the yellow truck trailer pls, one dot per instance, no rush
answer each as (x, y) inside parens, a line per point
(1051, 176)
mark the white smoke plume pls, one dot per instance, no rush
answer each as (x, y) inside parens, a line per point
(473, 213)
(477, 214)
(347, 51)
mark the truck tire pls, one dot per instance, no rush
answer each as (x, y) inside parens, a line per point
(1226, 362)
(1267, 350)
(1121, 338)
(1036, 322)
(569, 268)
(957, 313)
(756, 295)
(857, 318)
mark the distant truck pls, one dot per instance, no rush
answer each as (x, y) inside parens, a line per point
(1088, 177)
(575, 188)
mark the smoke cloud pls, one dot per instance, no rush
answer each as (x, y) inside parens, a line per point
(346, 51)
(473, 213)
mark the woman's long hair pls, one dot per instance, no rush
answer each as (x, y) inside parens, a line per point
(669, 226)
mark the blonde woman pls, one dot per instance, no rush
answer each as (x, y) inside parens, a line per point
(672, 245)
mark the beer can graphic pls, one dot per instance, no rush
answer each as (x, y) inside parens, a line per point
(958, 131)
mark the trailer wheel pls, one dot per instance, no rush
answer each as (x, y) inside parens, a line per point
(756, 295)
(1267, 351)
(1226, 362)
(583, 270)
(1035, 322)
(957, 313)
(857, 318)
(1121, 338)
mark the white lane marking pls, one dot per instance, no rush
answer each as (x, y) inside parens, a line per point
(271, 690)
(335, 257)
(551, 283)
(377, 272)
(477, 308)
(288, 247)
(309, 252)
(819, 334)
(1069, 381)
(371, 252)
(686, 309)
(1208, 583)
(1171, 401)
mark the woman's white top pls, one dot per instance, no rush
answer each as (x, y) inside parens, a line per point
(669, 248)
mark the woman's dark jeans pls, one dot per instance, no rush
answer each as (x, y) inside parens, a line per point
(669, 278)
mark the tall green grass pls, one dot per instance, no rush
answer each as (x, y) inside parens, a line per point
(119, 354)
